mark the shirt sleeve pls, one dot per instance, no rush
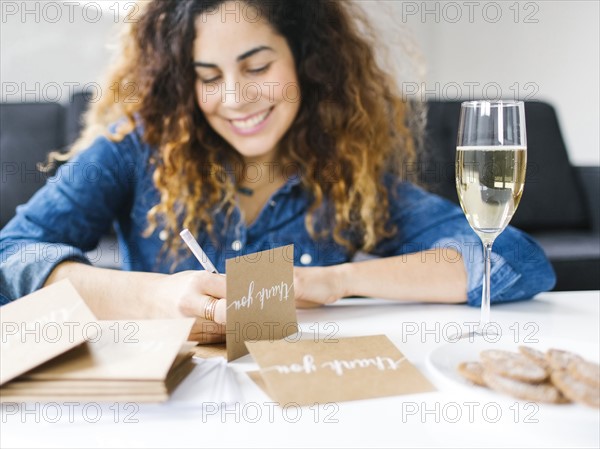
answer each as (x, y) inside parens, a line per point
(431, 225)
(66, 217)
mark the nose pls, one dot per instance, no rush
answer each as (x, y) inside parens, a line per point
(231, 94)
(237, 93)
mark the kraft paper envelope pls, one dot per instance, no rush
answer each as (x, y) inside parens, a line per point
(139, 361)
(123, 350)
(307, 372)
(42, 325)
(260, 298)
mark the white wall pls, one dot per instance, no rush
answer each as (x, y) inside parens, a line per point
(549, 52)
(43, 52)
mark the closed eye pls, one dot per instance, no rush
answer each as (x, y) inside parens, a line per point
(259, 69)
(256, 71)
(212, 80)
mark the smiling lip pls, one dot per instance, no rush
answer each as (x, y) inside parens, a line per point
(252, 124)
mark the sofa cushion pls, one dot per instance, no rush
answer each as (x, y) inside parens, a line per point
(569, 245)
(76, 107)
(553, 197)
(590, 180)
(28, 131)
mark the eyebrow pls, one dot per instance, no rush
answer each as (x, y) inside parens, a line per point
(240, 58)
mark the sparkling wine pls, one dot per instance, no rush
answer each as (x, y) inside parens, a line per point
(489, 182)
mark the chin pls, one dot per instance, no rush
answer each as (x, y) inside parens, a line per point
(254, 147)
(253, 153)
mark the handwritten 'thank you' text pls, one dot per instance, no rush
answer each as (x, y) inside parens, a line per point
(279, 291)
(338, 366)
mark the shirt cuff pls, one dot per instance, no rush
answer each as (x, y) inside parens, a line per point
(502, 275)
(26, 266)
(502, 278)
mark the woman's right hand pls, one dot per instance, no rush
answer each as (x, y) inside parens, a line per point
(188, 294)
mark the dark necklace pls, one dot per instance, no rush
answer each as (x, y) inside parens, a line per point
(245, 190)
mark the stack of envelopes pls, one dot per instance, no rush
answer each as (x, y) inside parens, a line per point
(134, 360)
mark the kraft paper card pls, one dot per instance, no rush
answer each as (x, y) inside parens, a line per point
(42, 325)
(307, 372)
(128, 360)
(210, 351)
(260, 299)
(257, 378)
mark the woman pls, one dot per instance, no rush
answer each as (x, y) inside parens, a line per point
(254, 124)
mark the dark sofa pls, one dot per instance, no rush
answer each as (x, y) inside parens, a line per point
(560, 205)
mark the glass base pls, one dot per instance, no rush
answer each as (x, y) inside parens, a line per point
(484, 333)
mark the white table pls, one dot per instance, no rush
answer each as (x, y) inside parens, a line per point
(404, 421)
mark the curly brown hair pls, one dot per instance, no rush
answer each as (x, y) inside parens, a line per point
(352, 127)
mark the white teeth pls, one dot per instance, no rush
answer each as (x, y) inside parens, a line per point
(251, 122)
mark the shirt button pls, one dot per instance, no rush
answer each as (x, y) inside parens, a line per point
(305, 259)
(163, 235)
(272, 203)
(236, 245)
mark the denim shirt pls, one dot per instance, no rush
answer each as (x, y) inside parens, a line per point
(111, 183)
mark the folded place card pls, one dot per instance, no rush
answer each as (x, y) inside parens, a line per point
(42, 325)
(260, 299)
(307, 372)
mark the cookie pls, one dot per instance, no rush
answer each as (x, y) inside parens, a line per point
(512, 365)
(496, 354)
(537, 357)
(576, 390)
(542, 392)
(559, 359)
(472, 371)
(585, 371)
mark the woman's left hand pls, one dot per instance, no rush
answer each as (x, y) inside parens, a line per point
(317, 286)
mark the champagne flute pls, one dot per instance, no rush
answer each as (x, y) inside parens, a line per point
(491, 156)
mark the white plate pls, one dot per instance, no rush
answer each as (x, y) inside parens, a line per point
(445, 359)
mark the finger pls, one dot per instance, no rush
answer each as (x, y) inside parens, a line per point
(199, 305)
(215, 285)
(207, 332)
(206, 339)
(221, 311)
(302, 304)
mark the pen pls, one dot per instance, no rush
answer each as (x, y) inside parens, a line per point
(193, 245)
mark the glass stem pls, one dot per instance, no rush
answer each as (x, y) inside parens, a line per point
(485, 293)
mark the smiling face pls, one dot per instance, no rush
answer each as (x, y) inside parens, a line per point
(246, 86)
